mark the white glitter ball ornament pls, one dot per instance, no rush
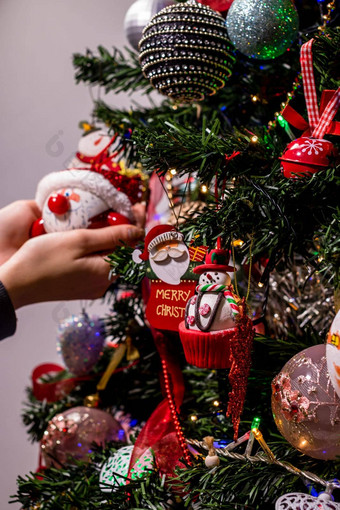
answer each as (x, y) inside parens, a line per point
(301, 501)
(80, 342)
(114, 472)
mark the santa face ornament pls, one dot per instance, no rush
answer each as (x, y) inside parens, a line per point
(169, 267)
(169, 260)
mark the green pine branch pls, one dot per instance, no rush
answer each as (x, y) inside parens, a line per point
(113, 71)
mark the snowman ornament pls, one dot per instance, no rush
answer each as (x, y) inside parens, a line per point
(94, 147)
(214, 307)
(210, 325)
(93, 193)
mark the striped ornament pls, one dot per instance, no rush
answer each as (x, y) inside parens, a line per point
(211, 287)
(231, 300)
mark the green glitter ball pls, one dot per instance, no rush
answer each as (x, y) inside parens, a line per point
(114, 472)
(262, 29)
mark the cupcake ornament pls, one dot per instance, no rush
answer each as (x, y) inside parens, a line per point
(217, 332)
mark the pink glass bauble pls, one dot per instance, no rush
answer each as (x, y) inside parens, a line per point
(70, 435)
(305, 405)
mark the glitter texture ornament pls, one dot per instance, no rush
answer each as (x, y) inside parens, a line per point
(114, 472)
(80, 342)
(333, 353)
(300, 501)
(185, 52)
(305, 405)
(262, 29)
(70, 435)
(139, 15)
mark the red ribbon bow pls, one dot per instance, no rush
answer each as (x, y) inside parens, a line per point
(320, 121)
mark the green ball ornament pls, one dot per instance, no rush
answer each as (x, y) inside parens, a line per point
(262, 29)
(115, 470)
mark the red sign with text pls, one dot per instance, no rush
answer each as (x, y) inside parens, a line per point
(166, 304)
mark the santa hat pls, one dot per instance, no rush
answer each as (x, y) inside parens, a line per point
(117, 190)
(215, 260)
(156, 235)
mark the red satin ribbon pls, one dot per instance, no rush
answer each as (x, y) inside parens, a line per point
(159, 432)
(296, 120)
(52, 391)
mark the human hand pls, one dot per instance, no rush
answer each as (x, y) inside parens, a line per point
(15, 222)
(64, 265)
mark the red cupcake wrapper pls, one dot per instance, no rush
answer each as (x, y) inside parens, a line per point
(207, 350)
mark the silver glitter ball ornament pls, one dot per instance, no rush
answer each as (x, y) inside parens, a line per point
(80, 342)
(139, 15)
(262, 29)
(185, 52)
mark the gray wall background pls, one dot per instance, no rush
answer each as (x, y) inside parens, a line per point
(40, 110)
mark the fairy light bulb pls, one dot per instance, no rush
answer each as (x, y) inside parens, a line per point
(216, 403)
(204, 188)
(173, 171)
(254, 139)
(256, 422)
(260, 284)
(193, 417)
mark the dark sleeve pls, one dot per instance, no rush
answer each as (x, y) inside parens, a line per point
(8, 319)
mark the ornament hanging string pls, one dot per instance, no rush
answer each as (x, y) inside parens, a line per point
(250, 257)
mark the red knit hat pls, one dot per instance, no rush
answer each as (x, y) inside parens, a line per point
(215, 260)
(156, 235)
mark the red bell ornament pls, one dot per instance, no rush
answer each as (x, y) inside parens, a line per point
(311, 152)
(307, 155)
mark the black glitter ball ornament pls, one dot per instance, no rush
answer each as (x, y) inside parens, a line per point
(185, 52)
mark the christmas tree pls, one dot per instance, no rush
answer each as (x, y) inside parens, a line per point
(214, 380)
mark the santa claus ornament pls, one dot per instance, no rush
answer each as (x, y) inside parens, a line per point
(311, 153)
(169, 267)
(95, 192)
(216, 331)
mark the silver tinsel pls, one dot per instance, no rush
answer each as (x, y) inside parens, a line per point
(297, 299)
(262, 29)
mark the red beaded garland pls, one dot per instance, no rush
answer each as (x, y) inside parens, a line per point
(178, 428)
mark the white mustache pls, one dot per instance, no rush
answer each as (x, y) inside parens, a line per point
(173, 253)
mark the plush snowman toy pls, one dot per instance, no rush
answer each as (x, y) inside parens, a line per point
(213, 308)
(94, 193)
